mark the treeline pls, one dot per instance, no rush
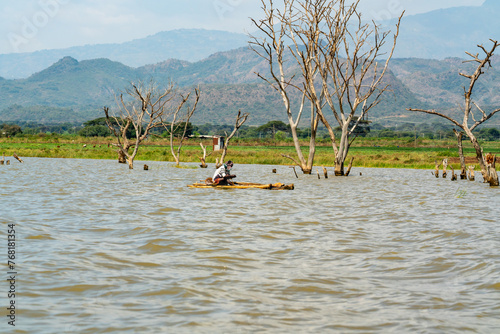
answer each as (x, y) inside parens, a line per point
(11, 129)
(274, 129)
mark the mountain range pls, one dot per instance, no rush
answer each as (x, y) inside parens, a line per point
(447, 32)
(76, 91)
(434, 35)
(186, 44)
(73, 85)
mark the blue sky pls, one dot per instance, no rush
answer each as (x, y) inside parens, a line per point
(30, 25)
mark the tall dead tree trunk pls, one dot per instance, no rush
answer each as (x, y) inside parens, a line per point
(279, 27)
(240, 119)
(463, 168)
(465, 126)
(185, 120)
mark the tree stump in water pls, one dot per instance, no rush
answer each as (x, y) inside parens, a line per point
(471, 173)
(463, 174)
(436, 172)
(274, 170)
(325, 172)
(445, 164)
(146, 167)
(7, 162)
(453, 175)
(17, 158)
(491, 173)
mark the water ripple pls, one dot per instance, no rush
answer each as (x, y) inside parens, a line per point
(106, 249)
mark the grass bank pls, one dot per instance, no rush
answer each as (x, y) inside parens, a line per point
(368, 152)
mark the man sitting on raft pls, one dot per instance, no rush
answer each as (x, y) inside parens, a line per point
(222, 175)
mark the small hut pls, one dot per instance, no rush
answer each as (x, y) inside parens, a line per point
(218, 143)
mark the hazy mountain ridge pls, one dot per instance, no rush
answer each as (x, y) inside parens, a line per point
(185, 44)
(447, 32)
(434, 35)
(228, 83)
(439, 83)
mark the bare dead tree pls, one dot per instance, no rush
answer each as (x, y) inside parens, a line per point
(240, 120)
(278, 27)
(172, 127)
(352, 75)
(338, 66)
(466, 126)
(141, 109)
(203, 159)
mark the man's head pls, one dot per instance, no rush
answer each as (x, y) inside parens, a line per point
(229, 164)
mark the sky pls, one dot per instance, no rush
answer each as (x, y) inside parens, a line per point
(31, 25)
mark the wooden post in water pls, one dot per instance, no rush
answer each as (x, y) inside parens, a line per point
(325, 172)
(453, 175)
(463, 174)
(491, 173)
(436, 172)
(471, 173)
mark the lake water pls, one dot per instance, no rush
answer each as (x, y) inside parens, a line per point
(104, 249)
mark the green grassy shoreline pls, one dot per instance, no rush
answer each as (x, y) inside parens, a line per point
(368, 152)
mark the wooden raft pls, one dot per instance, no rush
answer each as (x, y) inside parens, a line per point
(246, 185)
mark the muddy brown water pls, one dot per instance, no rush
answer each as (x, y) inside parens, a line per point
(103, 249)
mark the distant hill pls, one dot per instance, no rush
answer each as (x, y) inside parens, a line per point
(435, 35)
(76, 91)
(447, 32)
(186, 44)
(438, 82)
